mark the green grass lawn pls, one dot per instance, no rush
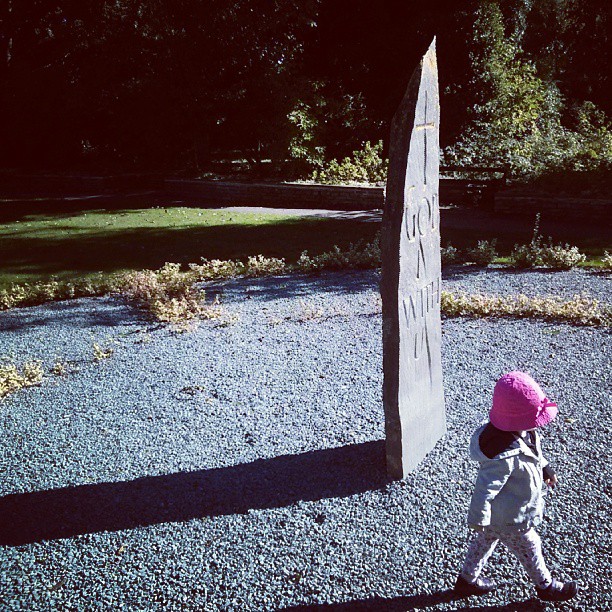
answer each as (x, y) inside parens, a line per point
(78, 244)
(70, 244)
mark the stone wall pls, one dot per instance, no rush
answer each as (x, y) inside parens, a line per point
(290, 195)
(295, 195)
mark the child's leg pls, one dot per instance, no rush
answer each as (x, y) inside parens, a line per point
(481, 548)
(527, 546)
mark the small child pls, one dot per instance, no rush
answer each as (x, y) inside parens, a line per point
(507, 502)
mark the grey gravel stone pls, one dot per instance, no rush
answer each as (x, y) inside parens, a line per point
(190, 471)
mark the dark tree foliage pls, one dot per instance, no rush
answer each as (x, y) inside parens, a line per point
(144, 81)
(571, 41)
(369, 49)
(165, 84)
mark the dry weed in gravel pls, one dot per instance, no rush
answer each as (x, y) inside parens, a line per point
(102, 351)
(13, 378)
(60, 368)
(580, 310)
(226, 320)
(311, 311)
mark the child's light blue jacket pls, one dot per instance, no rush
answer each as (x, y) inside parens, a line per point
(508, 491)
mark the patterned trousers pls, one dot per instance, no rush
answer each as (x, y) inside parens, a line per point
(526, 545)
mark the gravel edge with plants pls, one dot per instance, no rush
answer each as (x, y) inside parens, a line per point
(240, 466)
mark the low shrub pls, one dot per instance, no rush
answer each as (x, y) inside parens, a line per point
(607, 261)
(547, 254)
(168, 293)
(175, 310)
(561, 257)
(264, 266)
(32, 294)
(257, 265)
(216, 268)
(555, 256)
(525, 256)
(580, 310)
(148, 286)
(361, 255)
(449, 255)
(484, 253)
(366, 166)
(528, 255)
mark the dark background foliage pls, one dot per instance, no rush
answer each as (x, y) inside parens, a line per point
(170, 85)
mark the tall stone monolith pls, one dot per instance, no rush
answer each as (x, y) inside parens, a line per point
(413, 394)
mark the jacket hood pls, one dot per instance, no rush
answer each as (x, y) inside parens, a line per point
(476, 453)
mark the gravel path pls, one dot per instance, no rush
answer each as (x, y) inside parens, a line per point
(503, 280)
(240, 466)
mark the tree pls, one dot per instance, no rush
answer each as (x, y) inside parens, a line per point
(145, 82)
(518, 116)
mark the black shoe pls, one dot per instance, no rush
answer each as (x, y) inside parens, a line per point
(558, 591)
(482, 586)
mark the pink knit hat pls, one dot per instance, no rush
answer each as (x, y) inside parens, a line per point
(520, 404)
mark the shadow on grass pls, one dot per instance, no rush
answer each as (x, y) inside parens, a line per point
(262, 484)
(57, 207)
(68, 252)
(415, 602)
(80, 253)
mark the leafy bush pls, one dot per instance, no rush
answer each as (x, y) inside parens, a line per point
(168, 294)
(525, 256)
(357, 256)
(539, 253)
(528, 255)
(256, 265)
(449, 255)
(607, 261)
(520, 120)
(366, 166)
(561, 257)
(177, 310)
(147, 286)
(483, 253)
(264, 266)
(216, 268)
(580, 310)
(31, 294)
(302, 144)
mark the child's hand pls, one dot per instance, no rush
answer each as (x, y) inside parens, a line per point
(552, 481)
